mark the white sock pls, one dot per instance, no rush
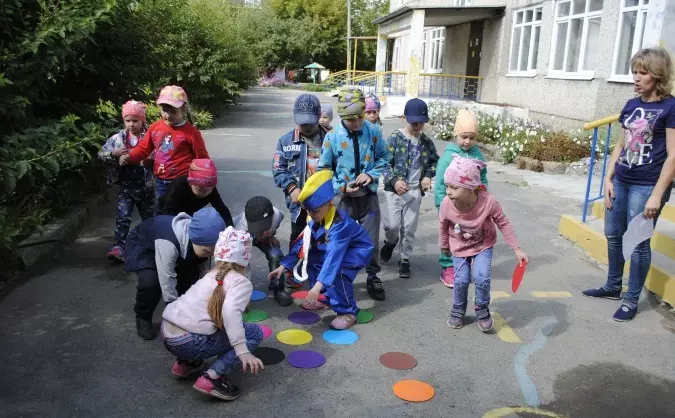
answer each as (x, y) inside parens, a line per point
(212, 374)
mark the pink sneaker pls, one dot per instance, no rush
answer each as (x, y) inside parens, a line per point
(218, 388)
(116, 254)
(343, 321)
(313, 306)
(184, 369)
(448, 277)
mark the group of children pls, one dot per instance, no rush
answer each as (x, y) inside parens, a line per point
(196, 257)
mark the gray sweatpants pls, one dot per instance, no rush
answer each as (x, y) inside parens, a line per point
(366, 211)
(401, 219)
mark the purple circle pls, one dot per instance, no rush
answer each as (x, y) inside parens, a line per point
(305, 359)
(304, 318)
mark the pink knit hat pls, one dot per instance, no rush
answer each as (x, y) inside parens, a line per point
(203, 173)
(465, 122)
(464, 172)
(133, 108)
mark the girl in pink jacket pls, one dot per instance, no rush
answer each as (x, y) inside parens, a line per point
(468, 216)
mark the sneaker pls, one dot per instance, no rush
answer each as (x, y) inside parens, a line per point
(404, 271)
(448, 277)
(116, 253)
(375, 288)
(218, 388)
(484, 318)
(343, 321)
(283, 298)
(602, 293)
(144, 329)
(456, 320)
(624, 314)
(386, 251)
(183, 368)
(313, 306)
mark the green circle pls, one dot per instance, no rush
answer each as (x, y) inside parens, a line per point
(364, 317)
(255, 315)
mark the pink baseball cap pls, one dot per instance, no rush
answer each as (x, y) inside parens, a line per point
(174, 96)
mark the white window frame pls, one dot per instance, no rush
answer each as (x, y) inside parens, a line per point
(638, 37)
(433, 49)
(531, 60)
(578, 74)
(396, 61)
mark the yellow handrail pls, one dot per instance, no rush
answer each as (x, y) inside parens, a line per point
(375, 74)
(600, 122)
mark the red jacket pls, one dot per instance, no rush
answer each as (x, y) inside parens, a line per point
(176, 147)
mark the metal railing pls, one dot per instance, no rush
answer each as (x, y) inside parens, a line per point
(389, 83)
(595, 125)
(450, 86)
(340, 78)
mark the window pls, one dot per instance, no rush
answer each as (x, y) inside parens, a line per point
(576, 35)
(252, 3)
(525, 41)
(630, 37)
(433, 46)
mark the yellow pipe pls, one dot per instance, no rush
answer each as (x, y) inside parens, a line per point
(356, 46)
(600, 122)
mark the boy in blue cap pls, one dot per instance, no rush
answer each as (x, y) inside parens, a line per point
(168, 254)
(333, 249)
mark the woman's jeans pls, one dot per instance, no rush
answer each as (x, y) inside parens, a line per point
(191, 347)
(629, 201)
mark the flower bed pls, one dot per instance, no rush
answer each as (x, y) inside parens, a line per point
(274, 82)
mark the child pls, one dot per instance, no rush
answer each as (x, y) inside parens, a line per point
(207, 321)
(168, 255)
(356, 140)
(467, 228)
(466, 132)
(192, 192)
(373, 109)
(406, 178)
(261, 219)
(175, 139)
(135, 181)
(297, 156)
(335, 248)
(326, 117)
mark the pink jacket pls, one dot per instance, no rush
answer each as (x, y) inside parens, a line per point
(467, 234)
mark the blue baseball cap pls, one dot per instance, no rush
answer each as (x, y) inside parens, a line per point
(307, 110)
(416, 110)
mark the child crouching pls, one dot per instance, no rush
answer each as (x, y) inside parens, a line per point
(207, 321)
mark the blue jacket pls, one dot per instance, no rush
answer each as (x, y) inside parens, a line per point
(290, 165)
(397, 169)
(338, 154)
(337, 243)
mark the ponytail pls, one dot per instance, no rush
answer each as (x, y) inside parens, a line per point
(188, 113)
(217, 299)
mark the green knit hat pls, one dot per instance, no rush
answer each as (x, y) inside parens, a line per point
(351, 103)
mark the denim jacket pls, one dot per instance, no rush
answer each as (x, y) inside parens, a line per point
(290, 165)
(399, 147)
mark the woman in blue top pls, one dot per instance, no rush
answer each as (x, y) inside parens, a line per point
(640, 174)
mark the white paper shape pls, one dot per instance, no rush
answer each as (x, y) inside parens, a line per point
(639, 229)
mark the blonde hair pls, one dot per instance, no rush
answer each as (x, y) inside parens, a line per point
(657, 62)
(187, 110)
(215, 306)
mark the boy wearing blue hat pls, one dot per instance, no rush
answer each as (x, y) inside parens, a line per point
(407, 176)
(333, 249)
(168, 254)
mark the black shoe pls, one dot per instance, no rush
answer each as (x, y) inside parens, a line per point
(218, 388)
(144, 329)
(386, 251)
(375, 289)
(283, 297)
(404, 271)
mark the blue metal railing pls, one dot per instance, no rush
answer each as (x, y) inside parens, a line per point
(449, 86)
(596, 125)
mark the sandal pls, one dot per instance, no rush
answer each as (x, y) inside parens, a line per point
(343, 321)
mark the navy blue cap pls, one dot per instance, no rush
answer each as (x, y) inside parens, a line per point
(416, 110)
(307, 109)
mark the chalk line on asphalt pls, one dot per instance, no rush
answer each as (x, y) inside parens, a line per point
(520, 363)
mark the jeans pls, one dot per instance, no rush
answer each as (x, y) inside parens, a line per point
(477, 267)
(127, 198)
(161, 189)
(629, 201)
(191, 347)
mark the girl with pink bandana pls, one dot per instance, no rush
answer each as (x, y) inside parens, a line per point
(468, 216)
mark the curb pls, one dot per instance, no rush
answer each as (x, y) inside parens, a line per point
(59, 230)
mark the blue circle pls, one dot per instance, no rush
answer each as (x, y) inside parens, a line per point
(258, 295)
(342, 337)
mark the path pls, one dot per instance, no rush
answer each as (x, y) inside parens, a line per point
(70, 348)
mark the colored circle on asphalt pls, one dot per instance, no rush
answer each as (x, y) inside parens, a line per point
(364, 317)
(294, 336)
(413, 390)
(398, 361)
(306, 359)
(255, 315)
(304, 318)
(258, 295)
(341, 337)
(267, 331)
(302, 294)
(269, 356)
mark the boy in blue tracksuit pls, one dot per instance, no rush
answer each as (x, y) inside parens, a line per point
(333, 248)
(355, 184)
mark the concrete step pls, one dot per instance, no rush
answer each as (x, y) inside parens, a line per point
(591, 238)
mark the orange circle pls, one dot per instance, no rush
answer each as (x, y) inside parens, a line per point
(413, 390)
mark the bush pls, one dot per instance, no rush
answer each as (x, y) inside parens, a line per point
(315, 87)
